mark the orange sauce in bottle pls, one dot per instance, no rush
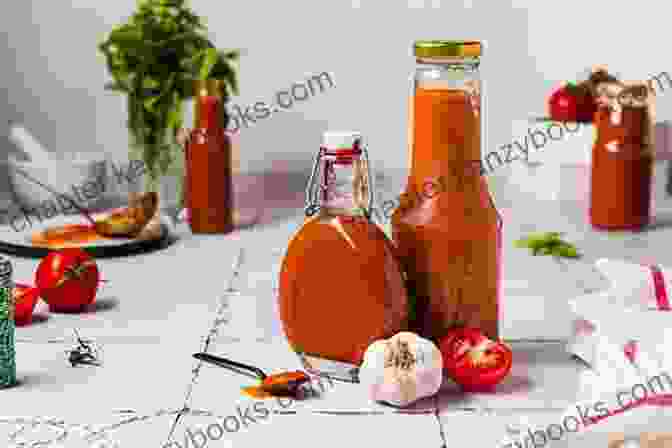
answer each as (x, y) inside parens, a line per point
(447, 230)
(341, 287)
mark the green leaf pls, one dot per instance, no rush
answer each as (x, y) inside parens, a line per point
(115, 87)
(150, 83)
(126, 38)
(522, 243)
(536, 243)
(210, 58)
(566, 251)
(150, 102)
(231, 55)
(548, 243)
(226, 71)
(552, 236)
(175, 113)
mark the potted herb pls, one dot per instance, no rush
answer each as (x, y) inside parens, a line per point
(153, 59)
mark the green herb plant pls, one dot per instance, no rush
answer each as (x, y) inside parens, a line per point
(549, 243)
(154, 58)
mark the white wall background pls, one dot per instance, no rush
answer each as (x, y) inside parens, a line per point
(51, 77)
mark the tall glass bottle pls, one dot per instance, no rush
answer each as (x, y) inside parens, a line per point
(446, 228)
(209, 185)
(341, 287)
(7, 342)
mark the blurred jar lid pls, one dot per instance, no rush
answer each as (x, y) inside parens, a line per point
(447, 48)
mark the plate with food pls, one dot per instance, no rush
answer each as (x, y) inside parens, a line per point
(124, 231)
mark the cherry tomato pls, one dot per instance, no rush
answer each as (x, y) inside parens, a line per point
(25, 299)
(67, 279)
(571, 103)
(473, 361)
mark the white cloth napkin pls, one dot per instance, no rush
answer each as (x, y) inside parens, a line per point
(623, 334)
(633, 313)
(608, 398)
(598, 408)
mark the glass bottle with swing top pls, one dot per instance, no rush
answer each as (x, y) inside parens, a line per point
(341, 287)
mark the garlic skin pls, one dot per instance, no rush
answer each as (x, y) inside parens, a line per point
(401, 370)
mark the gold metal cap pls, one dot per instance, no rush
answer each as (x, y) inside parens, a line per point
(447, 48)
(208, 87)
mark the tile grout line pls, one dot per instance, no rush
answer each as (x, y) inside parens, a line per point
(224, 305)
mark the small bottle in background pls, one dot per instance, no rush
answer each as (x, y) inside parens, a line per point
(209, 183)
(7, 342)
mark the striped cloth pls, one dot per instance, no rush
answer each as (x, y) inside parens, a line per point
(637, 290)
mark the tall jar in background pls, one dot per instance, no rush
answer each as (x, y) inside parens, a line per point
(446, 228)
(623, 158)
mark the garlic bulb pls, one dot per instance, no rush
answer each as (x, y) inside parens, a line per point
(402, 369)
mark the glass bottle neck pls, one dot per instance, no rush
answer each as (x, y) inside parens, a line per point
(344, 187)
(207, 111)
(445, 146)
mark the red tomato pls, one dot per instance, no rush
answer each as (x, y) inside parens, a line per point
(25, 299)
(67, 279)
(570, 103)
(473, 361)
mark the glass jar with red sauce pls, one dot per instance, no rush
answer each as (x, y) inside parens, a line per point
(622, 165)
(446, 227)
(341, 287)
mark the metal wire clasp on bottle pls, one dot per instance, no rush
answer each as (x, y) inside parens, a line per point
(316, 188)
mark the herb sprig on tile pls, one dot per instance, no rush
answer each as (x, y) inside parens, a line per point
(548, 243)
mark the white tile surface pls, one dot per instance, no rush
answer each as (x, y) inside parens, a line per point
(495, 428)
(338, 431)
(152, 320)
